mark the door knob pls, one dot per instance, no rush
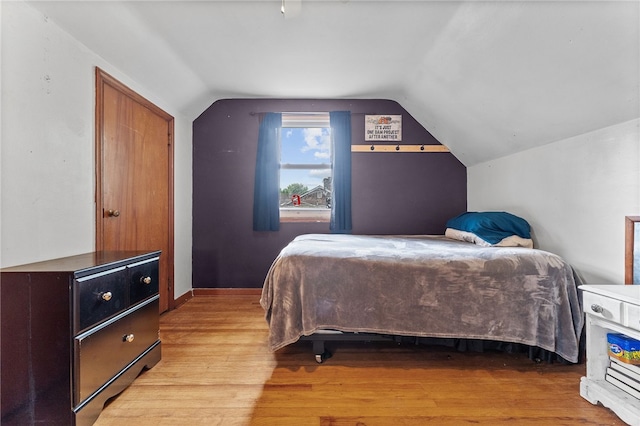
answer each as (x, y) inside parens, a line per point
(113, 213)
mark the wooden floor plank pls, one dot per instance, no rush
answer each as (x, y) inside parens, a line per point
(216, 370)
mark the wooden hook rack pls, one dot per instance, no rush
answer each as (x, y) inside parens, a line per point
(398, 148)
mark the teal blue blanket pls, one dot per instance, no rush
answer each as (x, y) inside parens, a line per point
(492, 227)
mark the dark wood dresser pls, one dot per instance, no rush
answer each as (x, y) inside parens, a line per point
(75, 332)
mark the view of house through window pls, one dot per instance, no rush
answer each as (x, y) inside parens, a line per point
(305, 167)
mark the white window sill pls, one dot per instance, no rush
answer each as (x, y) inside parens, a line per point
(305, 215)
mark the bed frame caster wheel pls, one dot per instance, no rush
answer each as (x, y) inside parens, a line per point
(320, 358)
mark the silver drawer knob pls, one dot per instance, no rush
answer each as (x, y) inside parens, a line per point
(107, 296)
(145, 280)
(597, 308)
(128, 338)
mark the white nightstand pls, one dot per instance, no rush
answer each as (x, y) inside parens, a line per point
(609, 308)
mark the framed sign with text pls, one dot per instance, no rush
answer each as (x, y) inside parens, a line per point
(383, 128)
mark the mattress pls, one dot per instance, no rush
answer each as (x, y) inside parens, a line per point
(425, 286)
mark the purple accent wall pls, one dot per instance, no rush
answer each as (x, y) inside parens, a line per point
(393, 193)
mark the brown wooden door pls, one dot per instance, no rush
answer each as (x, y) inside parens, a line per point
(134, 182)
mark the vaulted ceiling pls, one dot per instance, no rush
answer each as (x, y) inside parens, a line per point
(487, 78)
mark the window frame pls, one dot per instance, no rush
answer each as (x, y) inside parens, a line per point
(305, 120)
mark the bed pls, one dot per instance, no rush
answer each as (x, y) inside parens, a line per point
(421, 286)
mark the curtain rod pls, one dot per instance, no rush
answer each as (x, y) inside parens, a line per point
(308, 112)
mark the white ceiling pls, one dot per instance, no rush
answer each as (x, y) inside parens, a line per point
(487, 78)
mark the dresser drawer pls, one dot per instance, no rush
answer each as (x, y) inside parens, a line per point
(98, 297)
(603, 307)
(103, 352)
(143, 280)
(632, 316)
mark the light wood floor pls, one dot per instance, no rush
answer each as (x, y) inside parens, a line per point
(216, 370)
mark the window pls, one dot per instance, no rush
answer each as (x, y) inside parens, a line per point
(305, 167)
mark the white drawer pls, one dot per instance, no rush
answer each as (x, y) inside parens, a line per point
(632, 316)
(603, 307)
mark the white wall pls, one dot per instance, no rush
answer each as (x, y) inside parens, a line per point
(575, 194)
(47, 145)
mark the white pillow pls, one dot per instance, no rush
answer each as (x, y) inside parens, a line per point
(469, 237)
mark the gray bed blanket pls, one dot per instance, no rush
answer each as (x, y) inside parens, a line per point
(427, 286)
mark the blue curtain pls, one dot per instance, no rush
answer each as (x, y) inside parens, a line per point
(341, 197)
(266, 195)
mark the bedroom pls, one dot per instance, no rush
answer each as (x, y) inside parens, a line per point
(568, 161)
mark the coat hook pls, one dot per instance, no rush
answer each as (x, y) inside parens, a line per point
(372, 147)
(397, 147)
(422, 147)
